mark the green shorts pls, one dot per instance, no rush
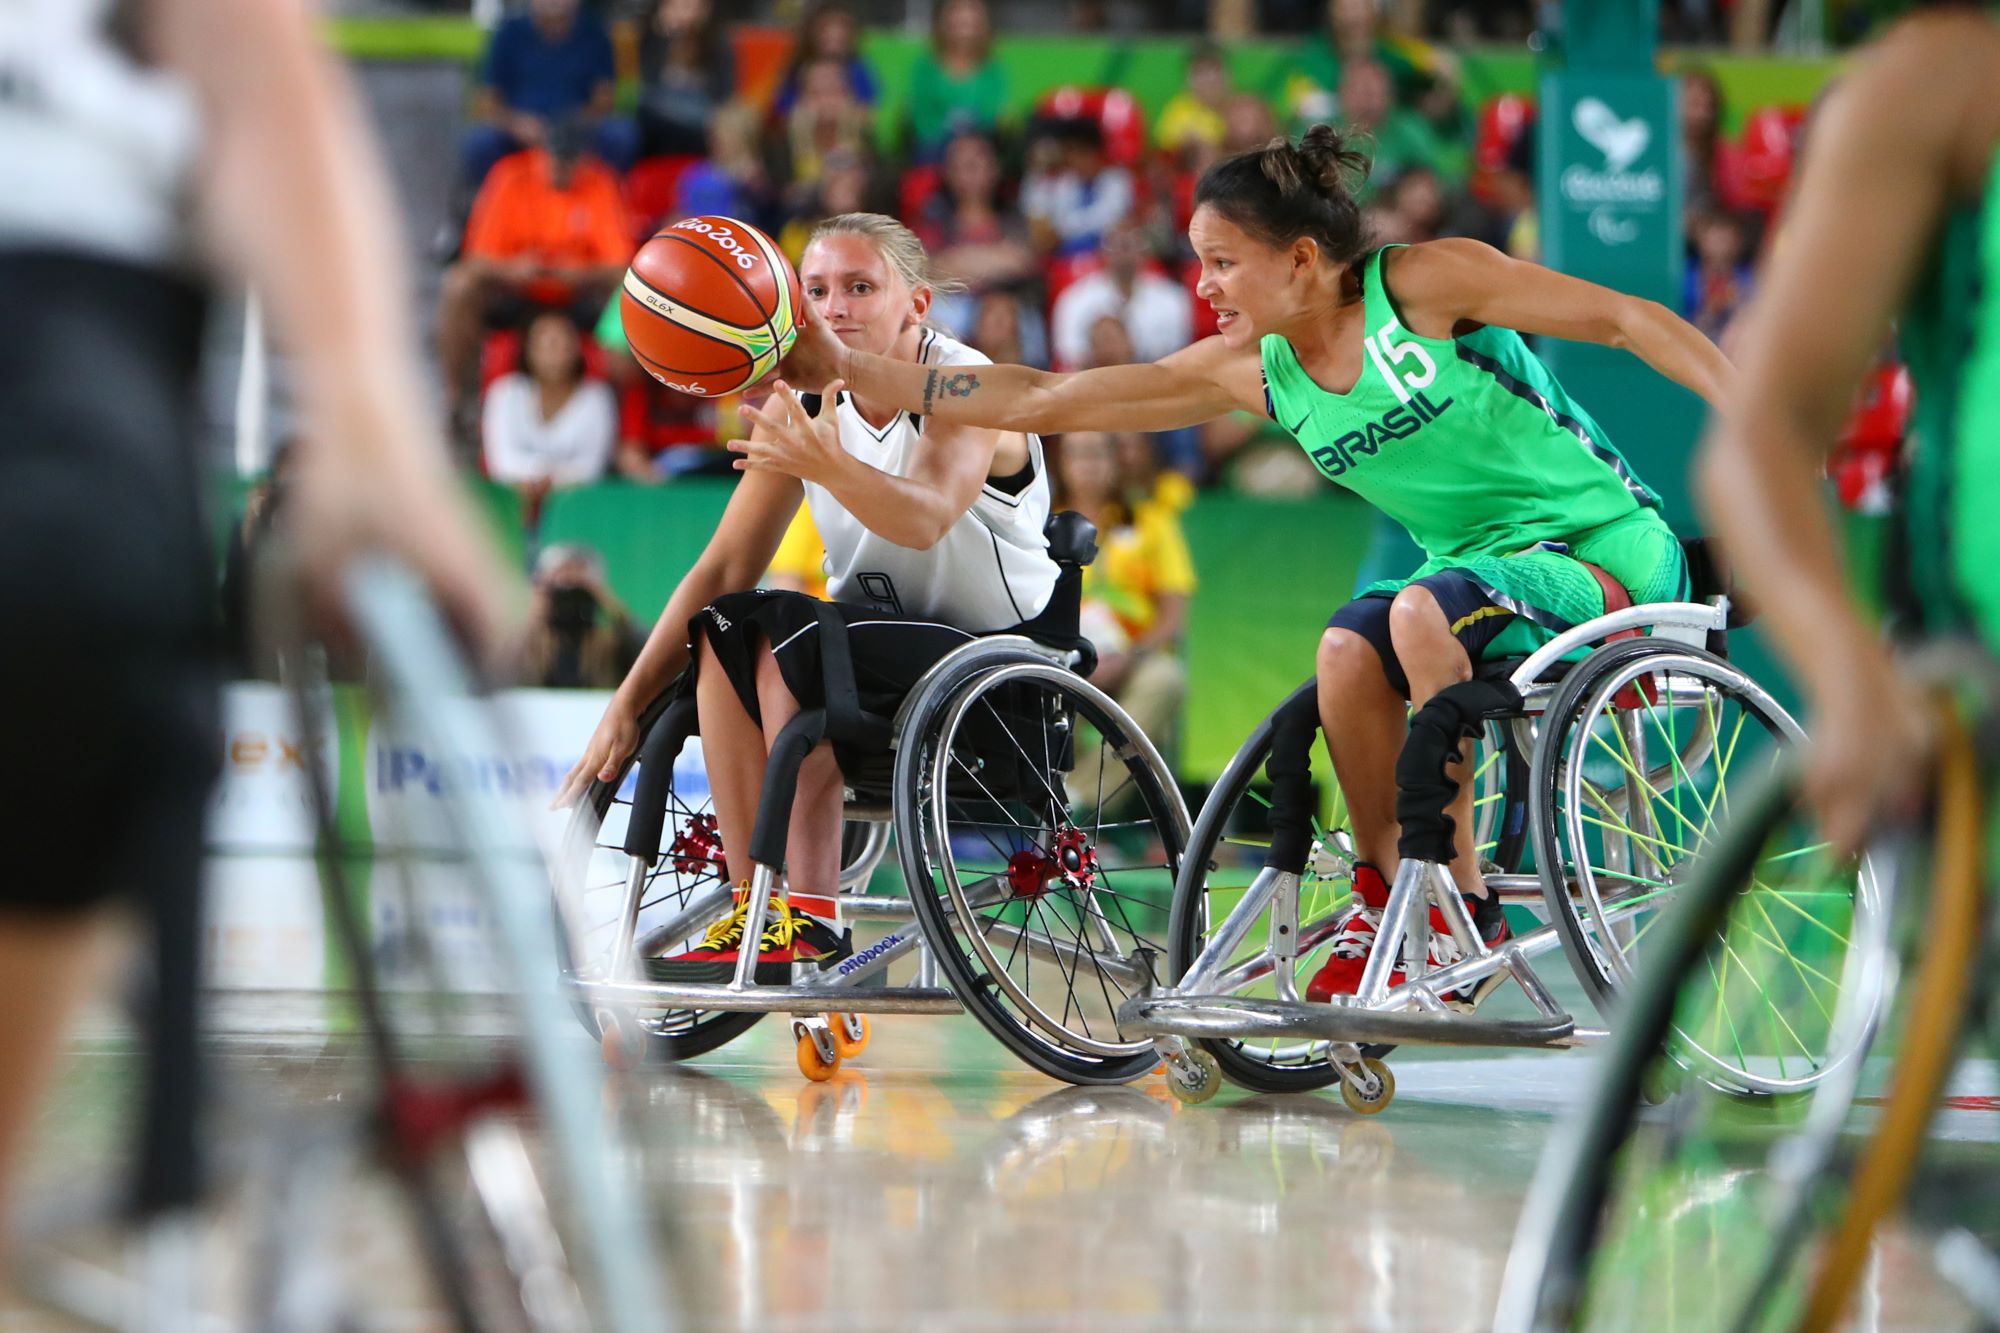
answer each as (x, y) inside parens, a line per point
(1547, 590)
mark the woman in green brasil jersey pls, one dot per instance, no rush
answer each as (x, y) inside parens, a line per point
(1400, 372)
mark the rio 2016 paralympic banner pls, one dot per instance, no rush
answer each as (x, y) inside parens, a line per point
(267, 928)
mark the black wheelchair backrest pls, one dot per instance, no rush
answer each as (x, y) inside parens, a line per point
(1072, 538)
(1709, 575)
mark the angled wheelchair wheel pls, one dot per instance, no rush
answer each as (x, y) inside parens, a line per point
(1039, 832)
(1641, 756)
(1680, 1196)
(1230, 841)
(686, 888)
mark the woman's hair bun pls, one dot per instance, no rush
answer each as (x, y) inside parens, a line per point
(1320, 162)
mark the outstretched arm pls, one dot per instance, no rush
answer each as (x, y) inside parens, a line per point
(1196, 384)
(1883, 160)
(1445, 282)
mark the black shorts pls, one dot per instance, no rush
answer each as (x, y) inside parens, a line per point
(891, 653)
(107, 589)
(1475, 620)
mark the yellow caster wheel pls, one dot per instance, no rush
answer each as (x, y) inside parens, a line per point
(1194, 1078)
(1385, 1090)
(813, 1062)
(851, 1034)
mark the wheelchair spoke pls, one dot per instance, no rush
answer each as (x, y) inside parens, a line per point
(1674, 755)
(1097, 967)
(1041, 774)
(1624, 829)
(1786, 899)
(1802, 969)
(1639, 779)
(985, 790)
(1750, 975)
(1722, 761)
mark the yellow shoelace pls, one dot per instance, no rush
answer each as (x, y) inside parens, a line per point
(781, 927)
(784, 925)
(729, 930)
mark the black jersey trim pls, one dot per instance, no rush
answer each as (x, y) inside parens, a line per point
(1000, 563)
(1527, 394)
(924, 346)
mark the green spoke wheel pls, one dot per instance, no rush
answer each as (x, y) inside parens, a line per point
(1682, 1196)
(1643, 752)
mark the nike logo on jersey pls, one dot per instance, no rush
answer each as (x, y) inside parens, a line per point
(1398, 423)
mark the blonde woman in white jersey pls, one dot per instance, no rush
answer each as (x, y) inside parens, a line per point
(933, 535)
(144, 147)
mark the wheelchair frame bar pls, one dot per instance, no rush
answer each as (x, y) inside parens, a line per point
(643, 996)
(416, 655)
(1702, 618)
(1246, 1018)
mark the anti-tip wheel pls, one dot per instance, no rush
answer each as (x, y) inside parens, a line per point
(1384, 1094)
(813, 1062)
(851, 1034)
(1194, 1078)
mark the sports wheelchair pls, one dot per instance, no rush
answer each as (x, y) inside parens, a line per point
(1038, 835)
(1596, 782)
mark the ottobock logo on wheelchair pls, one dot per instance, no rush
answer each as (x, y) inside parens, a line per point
(869, 954)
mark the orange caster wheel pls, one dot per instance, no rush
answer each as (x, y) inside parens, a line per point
(815, 1063)
(851, 1034)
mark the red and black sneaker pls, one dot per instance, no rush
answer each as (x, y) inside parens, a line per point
(1341, 973)
(1489, 919)
(789, 937)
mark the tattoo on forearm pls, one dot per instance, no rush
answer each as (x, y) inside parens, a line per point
(960, 385)
(930, 391)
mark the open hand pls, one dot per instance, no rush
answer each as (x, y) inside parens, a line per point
(787, 440)
(816, 354)
(616, 737)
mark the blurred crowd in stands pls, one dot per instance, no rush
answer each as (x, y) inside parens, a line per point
(1064, 218)
(1063, 215)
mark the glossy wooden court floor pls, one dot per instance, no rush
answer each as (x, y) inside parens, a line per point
(936, 1186)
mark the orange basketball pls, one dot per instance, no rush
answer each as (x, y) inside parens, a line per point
(710, 306)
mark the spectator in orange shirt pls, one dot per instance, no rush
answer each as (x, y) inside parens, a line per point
(548, 231)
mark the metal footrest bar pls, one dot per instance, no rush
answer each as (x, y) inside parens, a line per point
(1230, 1017)
(654, 995)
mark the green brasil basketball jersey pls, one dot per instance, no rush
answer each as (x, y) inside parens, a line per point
(1950, 338)
(1470, 443)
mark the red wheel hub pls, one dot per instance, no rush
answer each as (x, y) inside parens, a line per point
(1076, 859)
(1069, 862)
(697, 848)
(1029, 873)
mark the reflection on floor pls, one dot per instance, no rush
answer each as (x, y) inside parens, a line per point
(935, 1185)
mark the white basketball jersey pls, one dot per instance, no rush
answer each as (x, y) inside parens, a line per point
(992, 569)
(96, 151)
